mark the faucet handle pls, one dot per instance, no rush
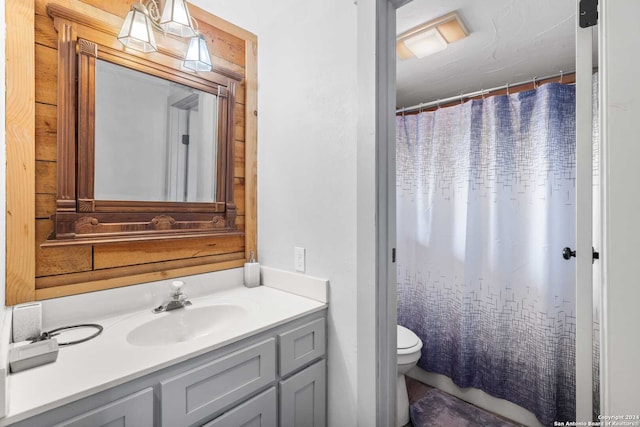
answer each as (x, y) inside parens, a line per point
(177, 285)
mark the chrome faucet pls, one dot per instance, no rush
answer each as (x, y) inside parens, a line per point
(178, 299)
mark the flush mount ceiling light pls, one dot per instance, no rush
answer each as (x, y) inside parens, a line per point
(431, 37)
(425, 43)
(137, 31)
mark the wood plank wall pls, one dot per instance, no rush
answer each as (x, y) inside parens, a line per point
(19, 127)
(75, 269)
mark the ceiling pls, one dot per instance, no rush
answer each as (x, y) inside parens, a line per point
(509, 41)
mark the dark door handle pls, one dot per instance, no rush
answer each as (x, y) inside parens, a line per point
(567, 253)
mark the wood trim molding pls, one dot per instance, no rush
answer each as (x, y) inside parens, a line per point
(66, 181)
(226, 26)
(175, 269)
(87, 52)
(230, 136)
(87, 48)
(20, 151)
(251, 147)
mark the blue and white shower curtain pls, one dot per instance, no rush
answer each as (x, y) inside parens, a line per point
(485, 204)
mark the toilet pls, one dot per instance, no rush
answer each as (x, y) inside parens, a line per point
(409, 346)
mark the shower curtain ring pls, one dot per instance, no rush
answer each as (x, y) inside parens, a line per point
(508, 89)
(461, 98)
(535, 82)
(561, 75)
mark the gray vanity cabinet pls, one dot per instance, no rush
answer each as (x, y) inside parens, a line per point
(193, 395)
(301, 345)
(303, 398)
(261, 411)
(273, 378)
(131, 411)
(303, 394)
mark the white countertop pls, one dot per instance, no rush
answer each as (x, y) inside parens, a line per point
(110, 360)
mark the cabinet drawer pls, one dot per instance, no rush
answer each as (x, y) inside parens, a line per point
(131, 411)
(301, 346)
(261, 411)
(200, 392)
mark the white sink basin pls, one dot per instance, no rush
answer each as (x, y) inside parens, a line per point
(187, 324)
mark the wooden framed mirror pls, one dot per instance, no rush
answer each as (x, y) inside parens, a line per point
(40, 268)
(130, 171)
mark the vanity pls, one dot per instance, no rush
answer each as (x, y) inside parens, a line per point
(236, 357)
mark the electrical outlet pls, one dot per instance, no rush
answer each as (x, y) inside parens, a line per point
(299, 263)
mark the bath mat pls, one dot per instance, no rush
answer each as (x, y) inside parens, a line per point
(438, 409)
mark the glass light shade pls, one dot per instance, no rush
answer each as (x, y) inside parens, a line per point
(198, 58)
(136, 32)
(176, 19)
(426, 43)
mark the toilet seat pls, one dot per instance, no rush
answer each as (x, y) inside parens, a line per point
(408, 342)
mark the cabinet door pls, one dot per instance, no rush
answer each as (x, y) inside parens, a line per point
(261, 411)
(303, 398)
(201, 392)
(131, 411)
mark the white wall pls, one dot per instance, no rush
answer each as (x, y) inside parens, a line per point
(620, 109)
(307, 167)
(307, 103)
(307, 134)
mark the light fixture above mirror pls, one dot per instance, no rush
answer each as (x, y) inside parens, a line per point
(176, 19)
(137, 31)
(197, 58)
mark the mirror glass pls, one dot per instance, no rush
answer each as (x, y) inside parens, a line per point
(155, 140)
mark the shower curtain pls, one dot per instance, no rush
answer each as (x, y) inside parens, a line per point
(485, 204)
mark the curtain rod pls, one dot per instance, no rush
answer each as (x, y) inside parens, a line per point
(478, 93)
